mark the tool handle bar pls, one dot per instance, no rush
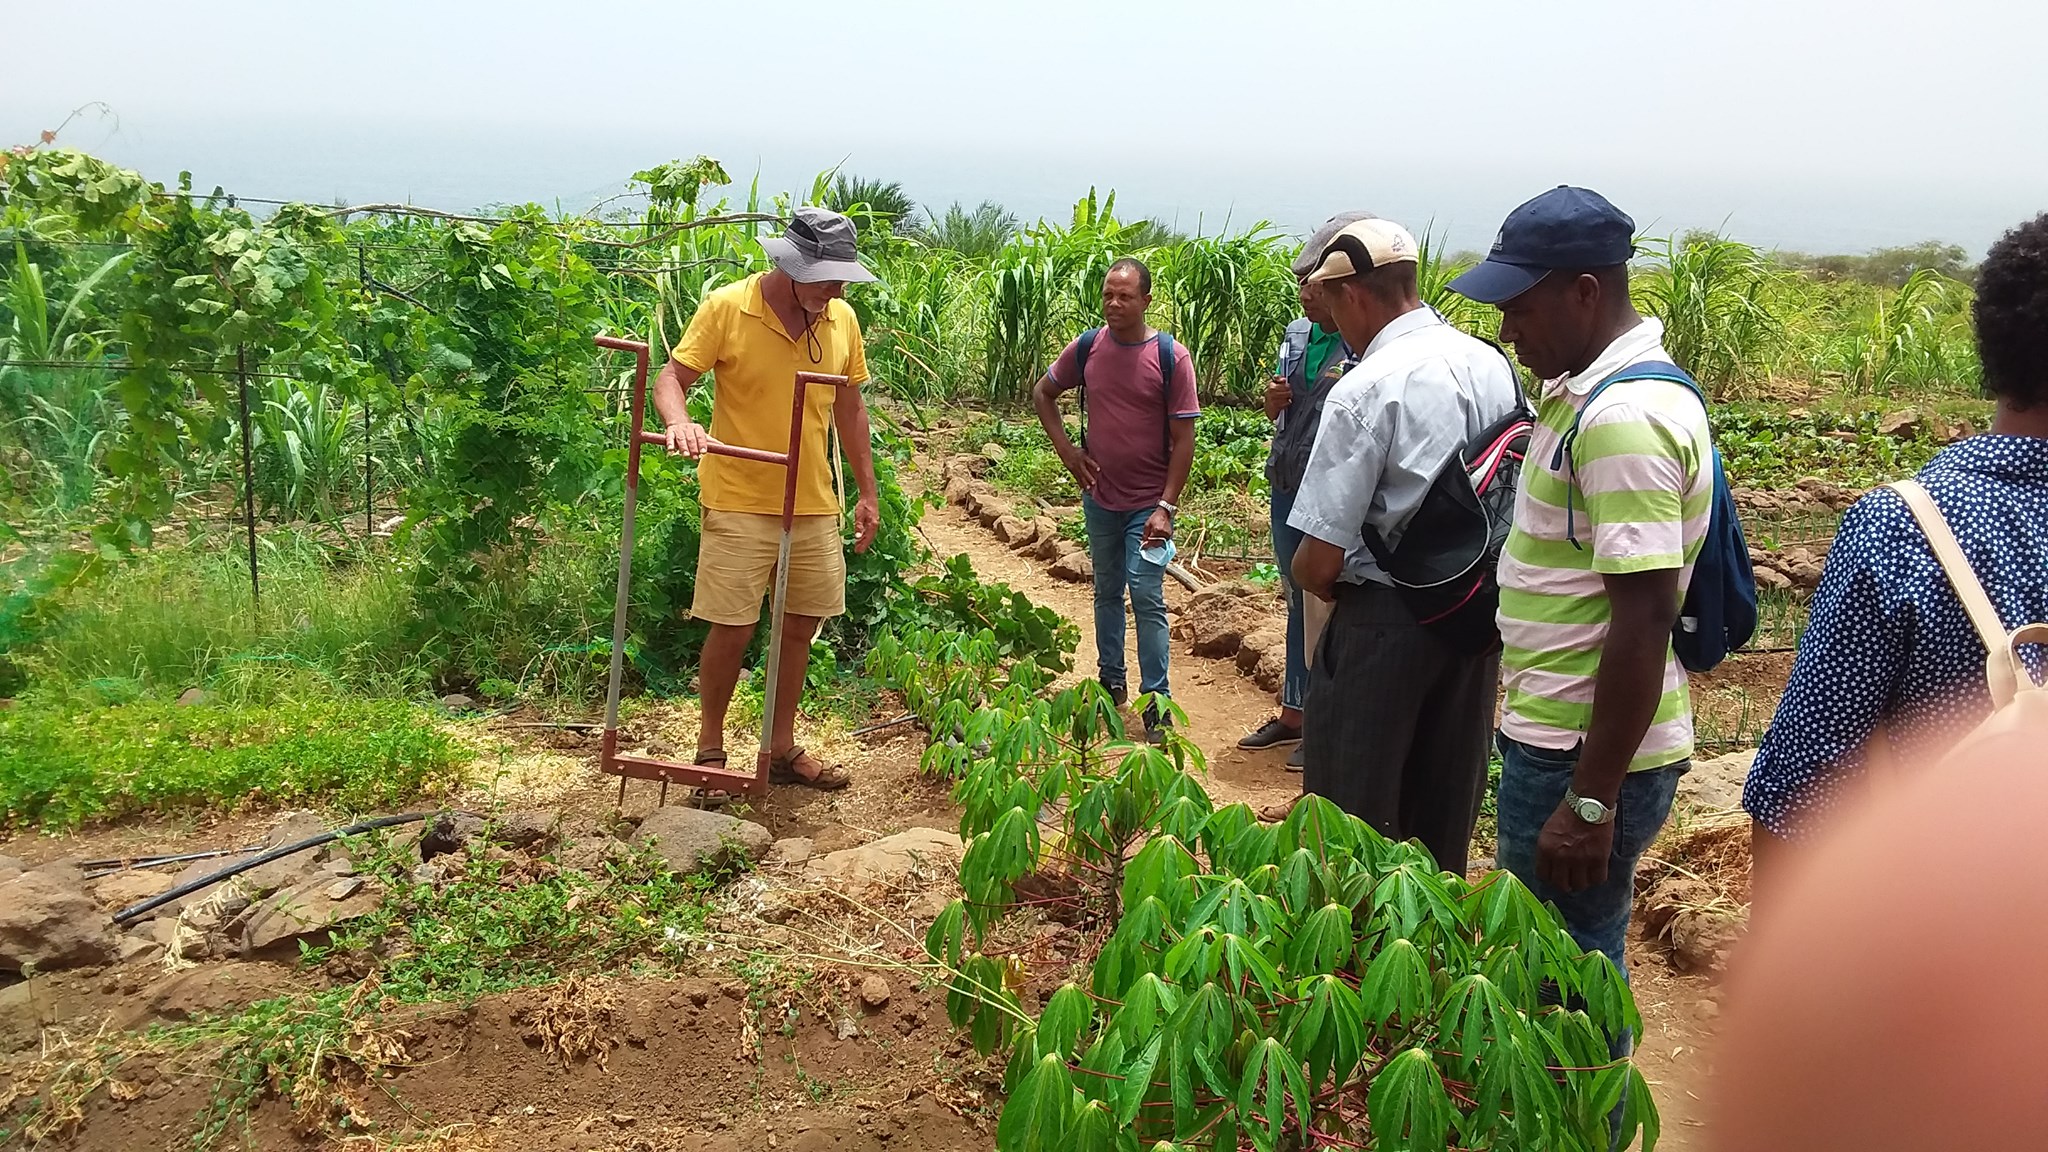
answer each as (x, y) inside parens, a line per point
(716, 449)
(821, 378)
(621, 345)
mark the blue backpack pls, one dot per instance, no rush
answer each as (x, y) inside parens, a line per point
(1719, 614)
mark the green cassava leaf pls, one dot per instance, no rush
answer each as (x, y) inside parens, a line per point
(1327, 1030)
(1272, 1077)
(1136, 1084)
(1149, 1004)
(1397, 986)
(1041, 1113)
(1475, 1016)
(1158, 871)
(944, 940)
(1067, 1017)
(1322, 944)
(1639, 1113)
(1409, 1108)
(1094, 1129)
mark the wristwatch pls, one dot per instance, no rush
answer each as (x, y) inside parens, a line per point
(1587, 809)
(1169, 509)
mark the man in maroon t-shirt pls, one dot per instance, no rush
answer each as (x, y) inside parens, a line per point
(1139, 437)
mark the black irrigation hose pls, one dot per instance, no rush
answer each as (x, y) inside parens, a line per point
(155, 902)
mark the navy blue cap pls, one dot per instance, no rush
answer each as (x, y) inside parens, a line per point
(1565, 227)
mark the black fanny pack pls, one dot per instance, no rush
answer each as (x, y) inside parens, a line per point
(1445, 566)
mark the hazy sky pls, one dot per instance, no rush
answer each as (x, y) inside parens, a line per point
(1834, 126)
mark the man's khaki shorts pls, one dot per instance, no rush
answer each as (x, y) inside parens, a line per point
(736, 566)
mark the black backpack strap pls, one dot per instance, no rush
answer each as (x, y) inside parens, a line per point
(1083, 344)
(1165, 343)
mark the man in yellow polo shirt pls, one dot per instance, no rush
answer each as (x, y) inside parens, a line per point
(753, 337)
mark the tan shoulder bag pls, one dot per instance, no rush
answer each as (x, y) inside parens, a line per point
(2017, 703)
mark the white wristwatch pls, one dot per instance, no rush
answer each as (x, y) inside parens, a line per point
(1587, 809)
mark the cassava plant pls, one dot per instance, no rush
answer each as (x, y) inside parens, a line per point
(1299, 985)
(1310, 984)
(945, 679)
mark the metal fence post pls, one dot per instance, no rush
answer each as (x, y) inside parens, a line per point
(248, 469)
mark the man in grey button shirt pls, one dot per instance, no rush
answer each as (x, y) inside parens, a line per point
(1402, 718)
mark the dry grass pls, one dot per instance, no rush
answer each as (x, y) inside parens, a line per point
(1712, 849)
(1692, 892)
(577, 1019)
(53, 1085)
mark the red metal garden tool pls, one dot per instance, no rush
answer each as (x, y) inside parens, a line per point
(627, 766)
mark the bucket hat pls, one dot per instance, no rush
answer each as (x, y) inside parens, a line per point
(817, 246)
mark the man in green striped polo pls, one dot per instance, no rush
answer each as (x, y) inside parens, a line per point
(1597, 724)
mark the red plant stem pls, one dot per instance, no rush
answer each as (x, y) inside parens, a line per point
(1492, 878)
(1036, 900)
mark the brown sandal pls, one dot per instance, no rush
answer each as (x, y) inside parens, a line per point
(710, 799)
(830, 777)
(1275, 813)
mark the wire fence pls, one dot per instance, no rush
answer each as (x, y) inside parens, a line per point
(244, 368)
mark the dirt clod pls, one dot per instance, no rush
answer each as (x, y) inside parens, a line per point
(691, 838)
(1073, 567)
(874, 993)
(1221, 616)
(125, 888)
(47, 921)
(890, 861)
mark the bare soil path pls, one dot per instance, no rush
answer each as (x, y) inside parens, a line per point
(1221, 705)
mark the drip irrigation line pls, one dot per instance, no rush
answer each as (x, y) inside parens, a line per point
(138, 908)
(434, 249)
(94, 869)
(130, 366)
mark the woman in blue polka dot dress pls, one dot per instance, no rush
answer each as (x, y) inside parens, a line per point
(1890, 652)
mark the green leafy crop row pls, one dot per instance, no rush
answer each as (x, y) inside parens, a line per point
(64, 764)
(1295, 984)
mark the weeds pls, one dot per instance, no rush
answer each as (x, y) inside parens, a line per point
(183, 618)
(509, 921)
(576, 1020)
(62, 764)
(1714, 296)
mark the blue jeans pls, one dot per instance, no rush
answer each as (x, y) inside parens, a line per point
(1114, 540)
(1286, 539)
(1532, 784)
